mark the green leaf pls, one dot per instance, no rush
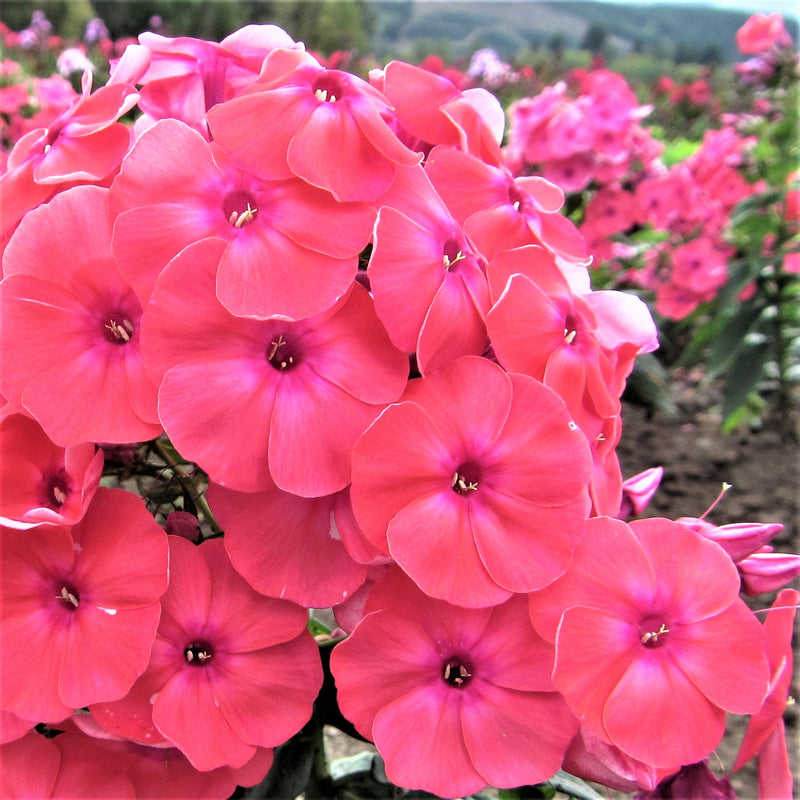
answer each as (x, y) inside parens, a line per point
(731, 338)
(745, 373)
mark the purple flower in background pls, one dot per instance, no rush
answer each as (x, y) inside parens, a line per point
(96, 31)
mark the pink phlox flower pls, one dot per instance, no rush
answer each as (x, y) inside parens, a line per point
(431, 110)
(231, 670)
(761, 32)
(291, 248)
(71, 327)
(766, 733)
(652, 660)
(428, 282)
(275, 127)
(499, 212)
(490, 466)
(453, 698)
(284, 400)
(529, 117)
(74, 600)
(182, 78)
(289, 546)
(539, 327)
(611, 210)
(41, 483)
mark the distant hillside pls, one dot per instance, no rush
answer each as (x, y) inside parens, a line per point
(511, 27)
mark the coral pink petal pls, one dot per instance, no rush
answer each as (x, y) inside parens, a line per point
(593, 651)
(287, 546)
(541, 457)
(512, 655)
(315, 220)
(186, 712)
(88, 158)
(170, 227)
(420, 737)
(466, 385)
(405, 271)
(669, 546)
(449, 566)
(267, 696)
(464, 182)
(522, 545)
(92, 670)
(278, 111)
(29, 673)
(314, 427)
(236, 455)
(515, 738)
(358, 172)
(725, 658)
(391, 469)
(351, 350)
(775, 776)
(657, 715)
(266, 274)
(29, 767)
(453, 327)
(236, 613)
(186, 604)
(365, 685)
(114, 579)
(585, 582)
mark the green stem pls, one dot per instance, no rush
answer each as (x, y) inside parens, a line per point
(188, 483)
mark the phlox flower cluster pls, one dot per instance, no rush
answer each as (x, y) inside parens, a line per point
(369, 355)
(595, 148)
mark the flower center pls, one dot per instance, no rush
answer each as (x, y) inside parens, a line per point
(69, 596)
(280, 355)
(451, 254)
(652, 636)
(239, 208)
(197, 654)
(55, 489)
(465, 479)
(328, 87)
(117, 328)
(457, 672)
(570, 329)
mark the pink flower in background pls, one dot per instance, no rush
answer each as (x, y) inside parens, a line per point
(283, 401)
(652, 660)
(761, 32)
(476, 484)
(230, 671)
(72, 601)
(84, 144)
(40, 482)
(453, 698)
